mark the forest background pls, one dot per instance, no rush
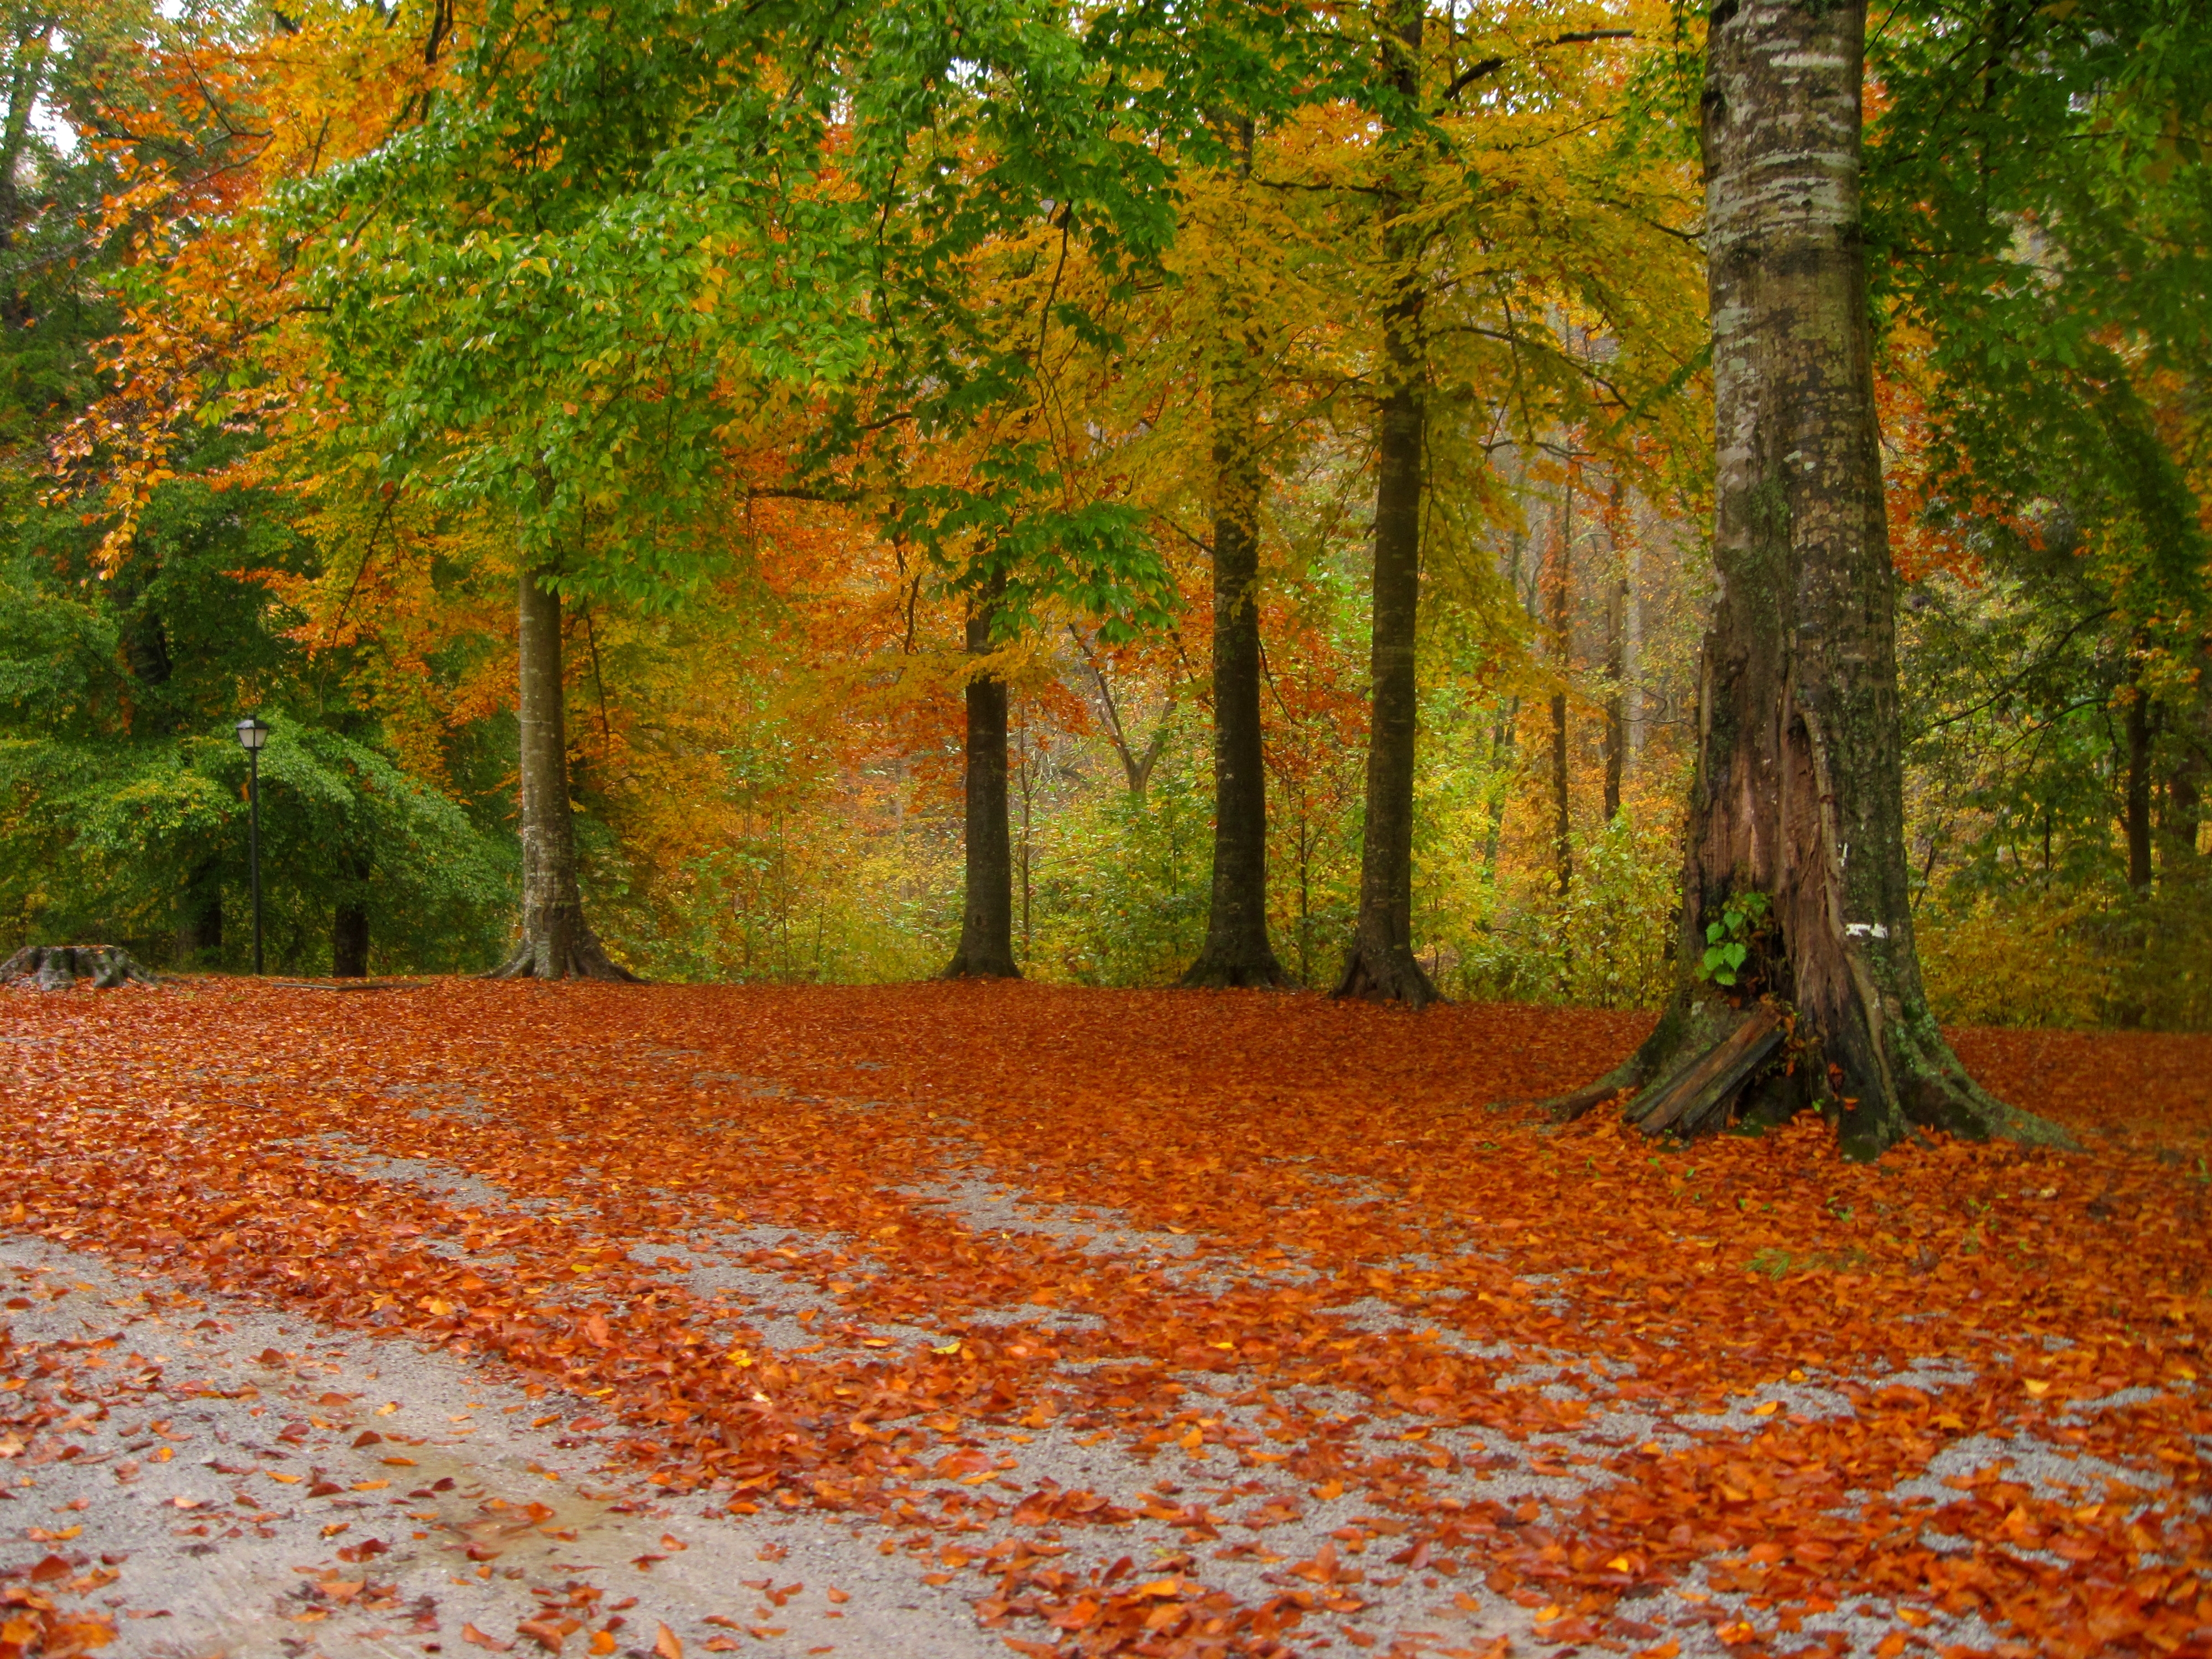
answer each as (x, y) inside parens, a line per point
(788, 342)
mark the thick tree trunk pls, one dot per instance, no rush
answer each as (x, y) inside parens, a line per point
(1799, 793)
(1236, 951)
(987, 912)
(557, 942)
(1381, 964)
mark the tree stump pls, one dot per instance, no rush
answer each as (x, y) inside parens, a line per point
(57, 967)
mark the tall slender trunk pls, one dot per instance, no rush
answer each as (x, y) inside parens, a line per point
(1799, 790)
(1236, 951)
(1559, 619)
(557, 941)
(2136, 816)
(987, 912)
(1616, 655)
(1381, 964)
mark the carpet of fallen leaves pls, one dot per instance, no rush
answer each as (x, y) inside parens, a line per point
(1317, 1155)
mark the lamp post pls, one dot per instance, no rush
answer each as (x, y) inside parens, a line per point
(251, 735)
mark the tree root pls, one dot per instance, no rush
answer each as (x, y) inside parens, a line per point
(1394, 975)
(1228, 971)
(57, 967)
(982, 964)
(584, 959)
(1697, 1096)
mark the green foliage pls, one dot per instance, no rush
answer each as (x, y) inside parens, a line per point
(1119, 888)
(1732, 937)
(1607, 943)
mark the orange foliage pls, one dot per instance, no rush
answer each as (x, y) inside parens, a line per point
(1318, 1155)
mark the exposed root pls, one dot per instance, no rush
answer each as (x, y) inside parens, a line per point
(1697, 1096)
(1226, 971)
(986, 962)
(583, 958)
(1385, 975)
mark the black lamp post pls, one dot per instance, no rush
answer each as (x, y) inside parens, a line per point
(251, 735)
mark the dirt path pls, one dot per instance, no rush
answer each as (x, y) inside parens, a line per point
(491, 1319)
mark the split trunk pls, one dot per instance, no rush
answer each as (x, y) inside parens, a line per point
(1799, 790)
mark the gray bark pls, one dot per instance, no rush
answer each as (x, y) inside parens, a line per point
(1799, 790)
(557, 941)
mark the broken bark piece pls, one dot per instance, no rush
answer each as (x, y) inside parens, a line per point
(1690, 1096)
(57, 967)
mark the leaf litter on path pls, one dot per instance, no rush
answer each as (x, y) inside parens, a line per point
(1162, 1323)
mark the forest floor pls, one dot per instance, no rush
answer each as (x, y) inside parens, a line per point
(941, 1321)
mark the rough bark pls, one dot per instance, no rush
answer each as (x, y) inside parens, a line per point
(1381, 964)
(1236, 951)
(557, 941)
(1799, 790)
(57, 967)
(986, 910)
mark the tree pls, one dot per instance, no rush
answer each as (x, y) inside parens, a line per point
(1236, 951)
(557, 941)
(1795, 893)
(985, 949)
(1380, 962)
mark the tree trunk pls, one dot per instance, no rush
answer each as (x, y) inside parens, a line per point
(1799, 790)
(1559, 619)
(1616, 656)
(349, 941)
(1381, 964)
(1236, 951)
(986, 913)
(199, 926)
(557, 941)
(2137, 803)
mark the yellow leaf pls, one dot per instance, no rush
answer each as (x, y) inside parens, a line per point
(665, 1644)
(285, 1480)
(2037, 1388)
(1767, 1410)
